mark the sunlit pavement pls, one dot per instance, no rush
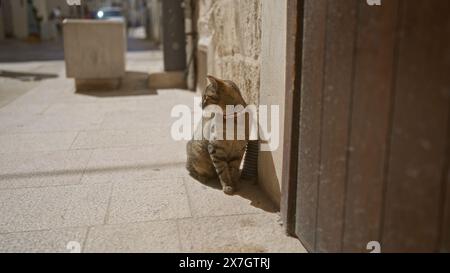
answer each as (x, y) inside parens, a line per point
(101, 169)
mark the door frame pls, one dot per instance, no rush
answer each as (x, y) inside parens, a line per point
(294, 57)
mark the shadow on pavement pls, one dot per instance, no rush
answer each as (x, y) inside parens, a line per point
(27, 77)
(133, 84)
(109, 169)
(250, 191)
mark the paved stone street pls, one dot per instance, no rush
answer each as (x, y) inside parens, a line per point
(101, 169)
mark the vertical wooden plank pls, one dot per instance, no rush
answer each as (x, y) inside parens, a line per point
(314, 30)
(294, 36)
(445, 231)
(337, 93)
(444, 236)
(418, 145)
(375, 54)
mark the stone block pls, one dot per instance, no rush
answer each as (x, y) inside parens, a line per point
(94, 50)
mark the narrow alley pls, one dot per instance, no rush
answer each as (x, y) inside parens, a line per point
(340, 112)
(101, 169)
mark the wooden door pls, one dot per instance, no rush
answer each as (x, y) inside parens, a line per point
(368, 127)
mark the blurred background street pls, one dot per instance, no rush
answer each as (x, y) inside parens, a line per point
(363, 125)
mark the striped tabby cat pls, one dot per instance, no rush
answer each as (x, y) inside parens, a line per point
(214, 159)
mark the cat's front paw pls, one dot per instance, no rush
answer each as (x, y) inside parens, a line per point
(228, 190)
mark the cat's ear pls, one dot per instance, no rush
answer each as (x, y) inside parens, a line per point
(215, 81)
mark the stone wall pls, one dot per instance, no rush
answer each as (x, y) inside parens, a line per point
(245, 41)
(230, 36)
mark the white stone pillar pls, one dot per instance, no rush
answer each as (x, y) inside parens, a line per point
(19, 11)
(272, 90)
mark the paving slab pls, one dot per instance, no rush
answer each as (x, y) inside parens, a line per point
(47, 241)
(258, 233)
(95, 139)
(14, 122)
(141, 201)
(48, 92)
(25, 170)
(99, 107)
(132, 163)
(62, 123)
(30, 110)
(87, 206)
(11, 89)
(36, 142)
(136, 120)
(34, 209)
(151, 237)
